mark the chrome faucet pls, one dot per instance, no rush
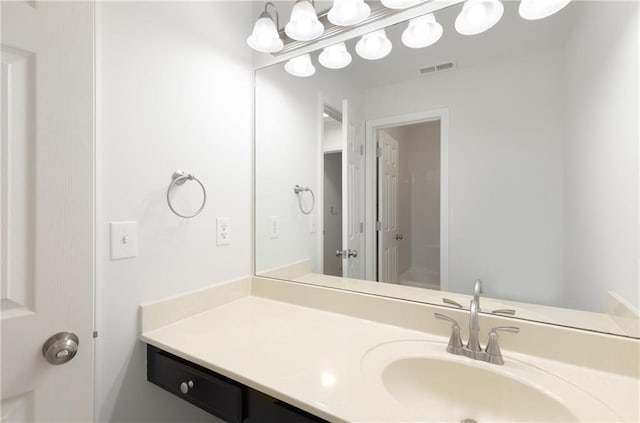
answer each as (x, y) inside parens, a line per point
(474, 326)
(473, 345)
(473, 349)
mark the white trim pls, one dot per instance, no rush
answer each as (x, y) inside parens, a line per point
(370, 145)
(319, 206)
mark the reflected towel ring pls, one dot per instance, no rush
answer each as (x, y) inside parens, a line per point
(179, 178)
(297, 189)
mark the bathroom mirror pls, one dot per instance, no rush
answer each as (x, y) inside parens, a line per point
(510, 156)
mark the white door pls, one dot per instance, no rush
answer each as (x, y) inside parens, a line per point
(46, 191)
(352, 192)
(388, 208)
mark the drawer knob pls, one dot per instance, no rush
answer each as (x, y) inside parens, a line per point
(185, 386)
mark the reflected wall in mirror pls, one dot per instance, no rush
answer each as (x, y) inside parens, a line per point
(510, 156)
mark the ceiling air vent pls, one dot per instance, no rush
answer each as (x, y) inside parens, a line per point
(437, 68)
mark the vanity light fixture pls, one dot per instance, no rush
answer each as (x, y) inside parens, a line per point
(478, 16)
(422, 31)
(265, 37)
(539, 9)
(300, 66)
(348, 12)
(304, 24)
(374, 45)
(335, 56)
(400, 4)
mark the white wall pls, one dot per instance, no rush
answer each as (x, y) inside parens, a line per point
(174, 92)
(506, 172)
(289, 152)
(601, 156)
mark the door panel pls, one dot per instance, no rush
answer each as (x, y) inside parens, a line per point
(388, 208)
(352, 191)
(46, 207)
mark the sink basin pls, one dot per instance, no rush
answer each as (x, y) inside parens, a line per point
(425, 384)
(433, 385)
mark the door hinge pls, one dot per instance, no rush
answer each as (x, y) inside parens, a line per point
(378, 152)
(378, 225)
(361, 227)
(95, 333)
(361, 150)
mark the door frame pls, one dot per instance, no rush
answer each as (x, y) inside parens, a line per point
(371, 200)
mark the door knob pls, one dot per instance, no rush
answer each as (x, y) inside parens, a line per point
(347, 253)
(60, 348)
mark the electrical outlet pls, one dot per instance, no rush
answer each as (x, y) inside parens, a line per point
(124, 240)
(223, 231)
(313, 224)
(274, 227)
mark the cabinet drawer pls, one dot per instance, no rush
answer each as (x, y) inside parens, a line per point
(211, 392)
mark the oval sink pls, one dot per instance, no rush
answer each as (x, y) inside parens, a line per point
(427, 384)
(433, 385)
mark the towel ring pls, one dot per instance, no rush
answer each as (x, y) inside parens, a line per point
(298, 190)
(179, 178)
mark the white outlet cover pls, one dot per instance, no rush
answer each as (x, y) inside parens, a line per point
(124, 240)
(274, 227)
(223, 231)
(313, 224)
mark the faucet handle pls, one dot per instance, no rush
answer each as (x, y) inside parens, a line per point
(451, 302)
(494, 355)
(455, 340)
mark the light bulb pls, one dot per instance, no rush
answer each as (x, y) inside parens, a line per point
(477, 13)
(300, 66)
(478, 16)
(422, 32)
(374, 46)
(335, 56)
(265, 37)
(304, 24)
(348, 12)
(539, 9)
(372, 43)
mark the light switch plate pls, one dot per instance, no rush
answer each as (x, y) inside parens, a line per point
(223, 231)
(274, 227)
(124, 240)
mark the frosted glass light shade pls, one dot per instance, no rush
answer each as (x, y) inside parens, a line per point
(348, 12)
(539, 9)
(300, 66)
(265, 37)
(304, 24)
(335, 56)
(399, 4)
(374, 46)
(422, 32)
(478, 16)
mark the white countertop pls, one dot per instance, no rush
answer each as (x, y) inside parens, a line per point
(312, 359)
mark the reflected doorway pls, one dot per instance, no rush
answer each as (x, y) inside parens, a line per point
(408, 206)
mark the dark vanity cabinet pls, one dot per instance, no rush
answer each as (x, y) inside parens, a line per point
(225, 398)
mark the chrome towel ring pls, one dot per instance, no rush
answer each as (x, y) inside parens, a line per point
(179, 178)
(297, 189)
